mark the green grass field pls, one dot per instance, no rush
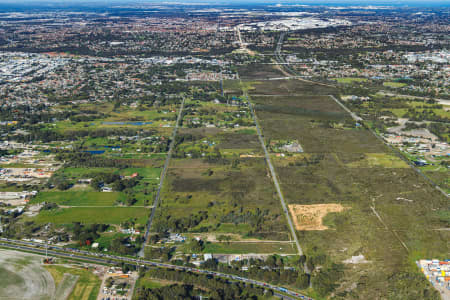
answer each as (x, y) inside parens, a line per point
(151, 283)
(80, 198)
(350, 80)
(79, 173)
(108, 215)
(393, 84)
(87, 285)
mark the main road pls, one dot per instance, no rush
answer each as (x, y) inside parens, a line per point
(101, 258)
(161, 180)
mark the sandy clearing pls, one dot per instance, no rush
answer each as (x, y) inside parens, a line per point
(358, 259)
(309, 217)
(33, 281)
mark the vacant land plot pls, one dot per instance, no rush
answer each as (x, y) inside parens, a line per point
(80, 198)
(229, 142)
(378, 160)
(318, 123)
(83, 284)
(97, 215)
(150, 171)
(23, 277)
(151, 283)
(259, 71)
(393, 84)
(239, 140)
(232, 87)
(350, 80)
(289, 87)
(394, 213)
(309, 217)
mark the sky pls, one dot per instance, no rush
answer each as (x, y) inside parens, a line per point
(444, 3)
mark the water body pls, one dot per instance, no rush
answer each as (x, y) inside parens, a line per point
(127, 123)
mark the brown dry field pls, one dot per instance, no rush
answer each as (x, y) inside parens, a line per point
(309, 217)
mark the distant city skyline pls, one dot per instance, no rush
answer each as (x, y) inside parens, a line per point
(233, 2)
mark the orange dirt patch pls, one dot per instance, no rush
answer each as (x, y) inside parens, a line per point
(309, 217)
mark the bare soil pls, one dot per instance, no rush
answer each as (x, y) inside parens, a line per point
(29, 280)
(309, 217)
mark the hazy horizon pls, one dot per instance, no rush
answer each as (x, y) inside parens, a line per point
(235, 2)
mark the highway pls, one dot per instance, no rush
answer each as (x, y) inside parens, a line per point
(161, 180)
(279, 58)
(115, 260)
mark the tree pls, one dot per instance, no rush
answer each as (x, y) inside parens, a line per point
(196, 246)
(302, 281)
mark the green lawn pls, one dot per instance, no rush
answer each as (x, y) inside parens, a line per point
(393, 84)
(79, 173)
(350, 80)
(80, 198)
(107, 215)
(151, 283)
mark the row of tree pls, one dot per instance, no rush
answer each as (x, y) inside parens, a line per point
(213, 288)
